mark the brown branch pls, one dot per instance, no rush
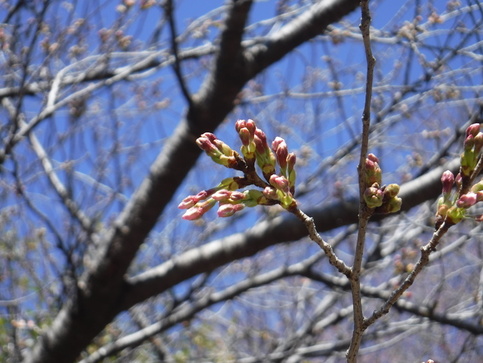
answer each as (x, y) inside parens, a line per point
(326, 247)
(168, 6)
(364, 212)
(423, 261)
(285, 228)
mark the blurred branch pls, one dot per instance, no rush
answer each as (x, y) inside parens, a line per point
(169, 10)
(189, 311)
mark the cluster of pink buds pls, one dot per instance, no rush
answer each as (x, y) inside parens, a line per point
(383, 199)
(453, 205)
(275, 187)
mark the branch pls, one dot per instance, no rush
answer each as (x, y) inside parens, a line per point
(174, 47)
(327, 248)
(364, 211)
(423, 261)
(188, 312)
(284, 228)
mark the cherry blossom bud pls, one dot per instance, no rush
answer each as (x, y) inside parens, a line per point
(245, 136)
(391, 205)
(199, 209)
(260, 141)
(239, 125)
(391, 190)
(224, 148)
(192, 214)
(222, 195)
(279, 146)
(467, 200)
(373, 171)
(187, 202)
(469, 142)
(227, 210)
(473, 129)
(270, 193)
(248, 124)
(447, 179)
(206, 144)
(236, 196)
(191, 200)
(373, 196)
(251, 126)
(279, 182)
(478, 142)
(373, 158)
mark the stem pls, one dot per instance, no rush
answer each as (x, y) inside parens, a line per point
(327, 248)
(423, 261)
(364, 212)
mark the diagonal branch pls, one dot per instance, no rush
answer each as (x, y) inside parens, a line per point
(174, 47)
(284, 228)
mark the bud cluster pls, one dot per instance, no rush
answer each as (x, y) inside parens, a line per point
(383, 199)
(453, 205)
(277, 188)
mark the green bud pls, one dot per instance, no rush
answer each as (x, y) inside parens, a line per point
(373, 196)
(391, 205)
(391, 190)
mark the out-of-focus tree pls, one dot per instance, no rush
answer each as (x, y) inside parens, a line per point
(101, 104)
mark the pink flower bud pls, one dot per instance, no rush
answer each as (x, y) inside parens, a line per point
(458, 179)
(467, 200)
(187, 202)
(447, 179)
(373, 171)
(291, 160)
(251, 126)
(237, 196)
(199, 209)
(227, 210)
(469, 143)
(373, 158)
(279, 146)
(206, 145)
(245, 136)
(279, 182)
(261, 141)
(191, 200)
(239, 125)
(276, 143)
(270, 193)
(222, 195)
(192, 214)
(473, 129)
(209, 136)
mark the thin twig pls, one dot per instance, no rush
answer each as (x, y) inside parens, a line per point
(423, 261)
(174, 48)
(364, 212)
(326, 247)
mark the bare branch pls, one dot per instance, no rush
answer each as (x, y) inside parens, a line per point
(364, 211)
